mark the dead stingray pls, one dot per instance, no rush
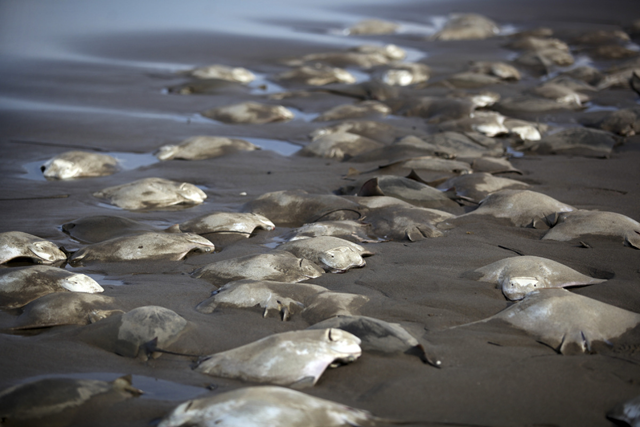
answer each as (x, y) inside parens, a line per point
(488, 123)
(331, 253)
(353, 231)
(378, 131)
(372, 26)
(518, 276)
(224, 222)
(55, 401)
(18, 287)
(316, 75)
(223, 72)
(280, 298)
(526, 131)
(204, 147)
(276, 265)
(354, 111)
(146, 246)
(65, 308)
(524, 208)
(531, 104)
(468, 26)
(325, 305)
(579, 223)
(476, 186)
(98, 228)
(364, 56)
(402, 74)
(406, 222)
(625, 122)
(296, 358)
(471, 80)
(209, 87)
(567, 322)
(152, 193)
(575, 141)
(16, 244)
(405, 148)
(627, 412)
(434, 109)
(428, 163)
(495, 68)
(79, 164)
(249, 113)
(490, 165)
(339, 146)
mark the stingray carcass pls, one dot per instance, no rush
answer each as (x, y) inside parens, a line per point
(476, 186)
(353, 231)
(339, 145)
(249, 113)
(331, 253)
(79, 164)
(575, 141)
(223, 72)
(152, 193)
(16, 244)
(204, 147)
(468, 26)
(98, 228)
(316, 75)
(225, 222)
(354, 111)
(325, 305)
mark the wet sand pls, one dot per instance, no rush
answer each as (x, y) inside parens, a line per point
(491, 375)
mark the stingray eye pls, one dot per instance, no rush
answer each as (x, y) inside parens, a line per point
(329, 335)
(43, 168)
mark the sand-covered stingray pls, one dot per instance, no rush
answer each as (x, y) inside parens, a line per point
(567, 322)
(339, 145)
(476, 186)
(495, 68)
(325, 305)
(249, 113)
(427, 163)
(372, 26)
(280, 298)
(575, 141)
(316, 75)
(18, 287)
(66, 308)
(79, 164)
(334, 254)
(469, 26)
(277, 265)
(16, 244)
(98, 228)
(524, 208)
(625, 122)
(487, 123)
(223, 72)
(435, 109)
(406, 222)
(627, 412)
(518, 276)
(353, 231)
(146, 246)
(491, 165)
(402, 74)
(364, 56)
(403, 149)
(354, 111)
(55, 401)
(267, 405)
(225, 222)
(296, 358)
(572, 225)
(152, 193)
(204, 147)
(378, 131)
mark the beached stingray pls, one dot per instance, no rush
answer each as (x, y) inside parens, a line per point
(567, 322)
(372, 26)
(66, 308)
(405, 148)
(316, 75)
(18, 287)
(297, 207)
(627, 412)
(146, 246)
(223, 72)
(325, 305)
(524, 208)
(209, 87)
(427, 163)
(402, 73)
(267, 405)
(204, 147)
(518, 276)
(364, 56)
(476, 186)
(152, 193)
(574, 141)
(331, 253)
(572, 225)
(625, 122)
(561, 94)
(79, 164)
(466, 144)
(378, 131)
(495, 68)
(276, 265)
(487, 123)
(16, 244)
(434, 109)
(98, 228)
(249, 113)
(353, 231)
(471, 80)
(490, 165)
(526, 131)
(295, 359)
(55, 401)
(531, 104)
(339, 145)
(224, 222)
(469, 26)
(280, 298)
(354, 111)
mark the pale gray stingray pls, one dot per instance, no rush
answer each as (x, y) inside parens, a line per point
(561, 94)
(204, 147)
(476, 186)
(267, 405)
(468, 26)
(495, 68)
(487, 123)
(428, 163)
(536, 43)
(276, 265)
(223, 72)
(98, 228)
(354, 111)
(526, 131)
(339, 145)
(470, 80)
(466, 144)
(325, 305)
(567, 322)
(317, 75)
(353, 231)
(530, 104)
(378, 131)
(524, 208)
(65, 308)
(296, 358)
(152, 193)
(543, 60)
(208, 87)
(280, 298)
(490, 165)
(372, 26)
(478, 98)
(16, 244)
(574, 141)
(249, 113)
(79, 164)
(627, 412)
(598, 37)
(225, 222)
(625, 122)
(55, 401)
(585, 73)
(334, 254)
(402, 74)
(580, 223)
(146, 246)
(364, 56)
(518, 276)
(297, 207)
(18, 287)
(405, 148)
(434, 109)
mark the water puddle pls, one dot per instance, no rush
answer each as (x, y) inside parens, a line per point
(281, 147)
(103, 281)
(513, 153)
(591, 107)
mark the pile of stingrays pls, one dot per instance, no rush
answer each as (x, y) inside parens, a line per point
(445, 172)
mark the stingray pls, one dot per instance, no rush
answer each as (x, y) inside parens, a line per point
(223, 72)
(406, 223)
(543, 60)
(476, 186)
(466, 144)
(567, 322)
(536, 43)
(427, 163)
(625, 122)
(434, 109)
(98, 228)
(249, 113)
(267, 405)
(18, 287)
(627, 412)
(518, 276)
(526, 131)
(325, 305)
(561, 94)
(152, 193)
(65, 308)
(378, 131)
(204, 147)
(358, 110)
(209, 87)
(372, 26)
(530, 104)
(316, 75)
(405, 148)
(297, 207)
(331, 253)
(146, 246)
(16, 244)
(487, 123)
(470, 80)
(55, 401)
(575, 141)
(402, 74)
(495, 68)
(364, 56)
(579, 223)
(276, 265)
(225, 222)
(295, 359)
(79, 164)
(490, 165)
(281, 298)
(523, 208)
(469, 26)
(353, 231)
(339, 146)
